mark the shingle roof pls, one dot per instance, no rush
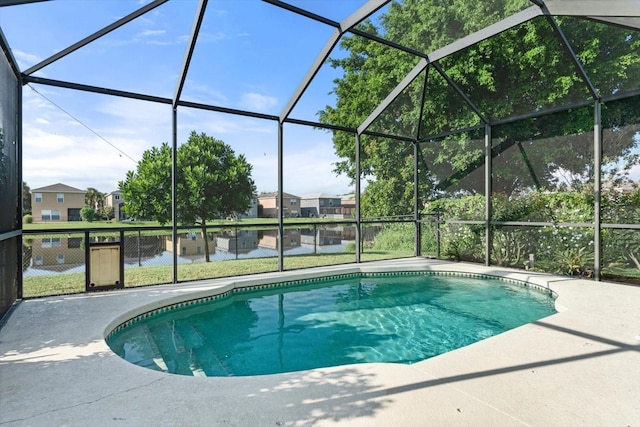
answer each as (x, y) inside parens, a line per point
(319, 196)
(275, 194)
(58, 188)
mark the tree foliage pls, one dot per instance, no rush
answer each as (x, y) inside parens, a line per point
(26, 199)
(88, 214)
(522, 70)
(212, 181)
(94, 198)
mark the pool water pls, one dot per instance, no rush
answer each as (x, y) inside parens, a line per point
(359, 319)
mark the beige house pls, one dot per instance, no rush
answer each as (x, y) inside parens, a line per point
(189, 244)
(115, 200)
(348, 203)
(268, 205)
(57, 202)
(57, 253)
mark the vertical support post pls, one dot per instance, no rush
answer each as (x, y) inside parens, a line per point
(487, 193)
(18, 141)
(280, 200)
(87, 261)
(174, 195)
(597, 166)
(121, 260)
(438, 234)
(358, 217)
(139, 251)
(417, 249)
(236, 239)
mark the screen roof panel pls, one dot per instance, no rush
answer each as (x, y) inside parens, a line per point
(522, 70)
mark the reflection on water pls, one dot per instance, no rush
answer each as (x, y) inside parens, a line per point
(57, 254)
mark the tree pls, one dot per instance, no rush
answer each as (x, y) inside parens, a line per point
(88, 214)
(106, 213)
(94, 199)
(522, 70)
(212, 182)
(26, 199)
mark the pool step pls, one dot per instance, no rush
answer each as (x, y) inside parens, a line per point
(145, 353)
(214, 364)
(180, 353)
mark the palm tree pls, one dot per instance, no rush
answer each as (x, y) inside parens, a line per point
(91, 197)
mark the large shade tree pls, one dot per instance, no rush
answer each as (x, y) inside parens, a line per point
(212, 181)
(522, 70)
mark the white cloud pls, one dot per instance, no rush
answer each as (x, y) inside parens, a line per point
(151, 33)
(634, 173)
(211, 37)
(304, 173)
(197, 92)
(42, 121)
(24, 59)
(257, 102)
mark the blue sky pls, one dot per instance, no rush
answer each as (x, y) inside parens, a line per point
(250, 56)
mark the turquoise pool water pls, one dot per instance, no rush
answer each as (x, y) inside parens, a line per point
(362, 318)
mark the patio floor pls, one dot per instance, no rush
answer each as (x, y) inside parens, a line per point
(579, 367)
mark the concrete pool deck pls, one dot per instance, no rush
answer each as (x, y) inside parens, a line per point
(579, 367)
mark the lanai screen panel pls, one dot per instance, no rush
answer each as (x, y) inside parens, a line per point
(522, 70)
(425, 26)
(610, 54)
(10, 215)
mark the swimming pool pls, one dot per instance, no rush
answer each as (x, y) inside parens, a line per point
(352, 318)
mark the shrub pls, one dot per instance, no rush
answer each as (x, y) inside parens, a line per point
(88, 214)
(27, 219)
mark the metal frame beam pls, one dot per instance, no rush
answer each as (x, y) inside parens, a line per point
(488, 207)
(487, 32)
(464, 96)
(574, 58)
(367, 9)
(303, 12)
(609, 8)
(631, 23)
(311, 73)
(4, 3)
(597, 187)
(409, 78)
(355, 18)
(450, 49)
(191, 45)
(85, 41)
(6, 49)
(94, 89)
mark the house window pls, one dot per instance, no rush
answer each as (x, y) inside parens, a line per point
(60, 258)
(50, 214)
(60, 197)
(50, 242)
(293, 202)
(116, 197)
(38, 197)
(37, 260)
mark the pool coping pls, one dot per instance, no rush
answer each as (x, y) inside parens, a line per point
(228, 290)
(539, 374)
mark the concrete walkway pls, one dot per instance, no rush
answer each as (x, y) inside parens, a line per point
(580, 367)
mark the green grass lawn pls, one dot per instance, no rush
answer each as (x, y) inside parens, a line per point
(56, 284)
(65, 225)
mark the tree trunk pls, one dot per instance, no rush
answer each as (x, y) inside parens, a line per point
(206, 240)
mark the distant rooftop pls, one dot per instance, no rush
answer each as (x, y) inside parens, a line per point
(58, 188)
